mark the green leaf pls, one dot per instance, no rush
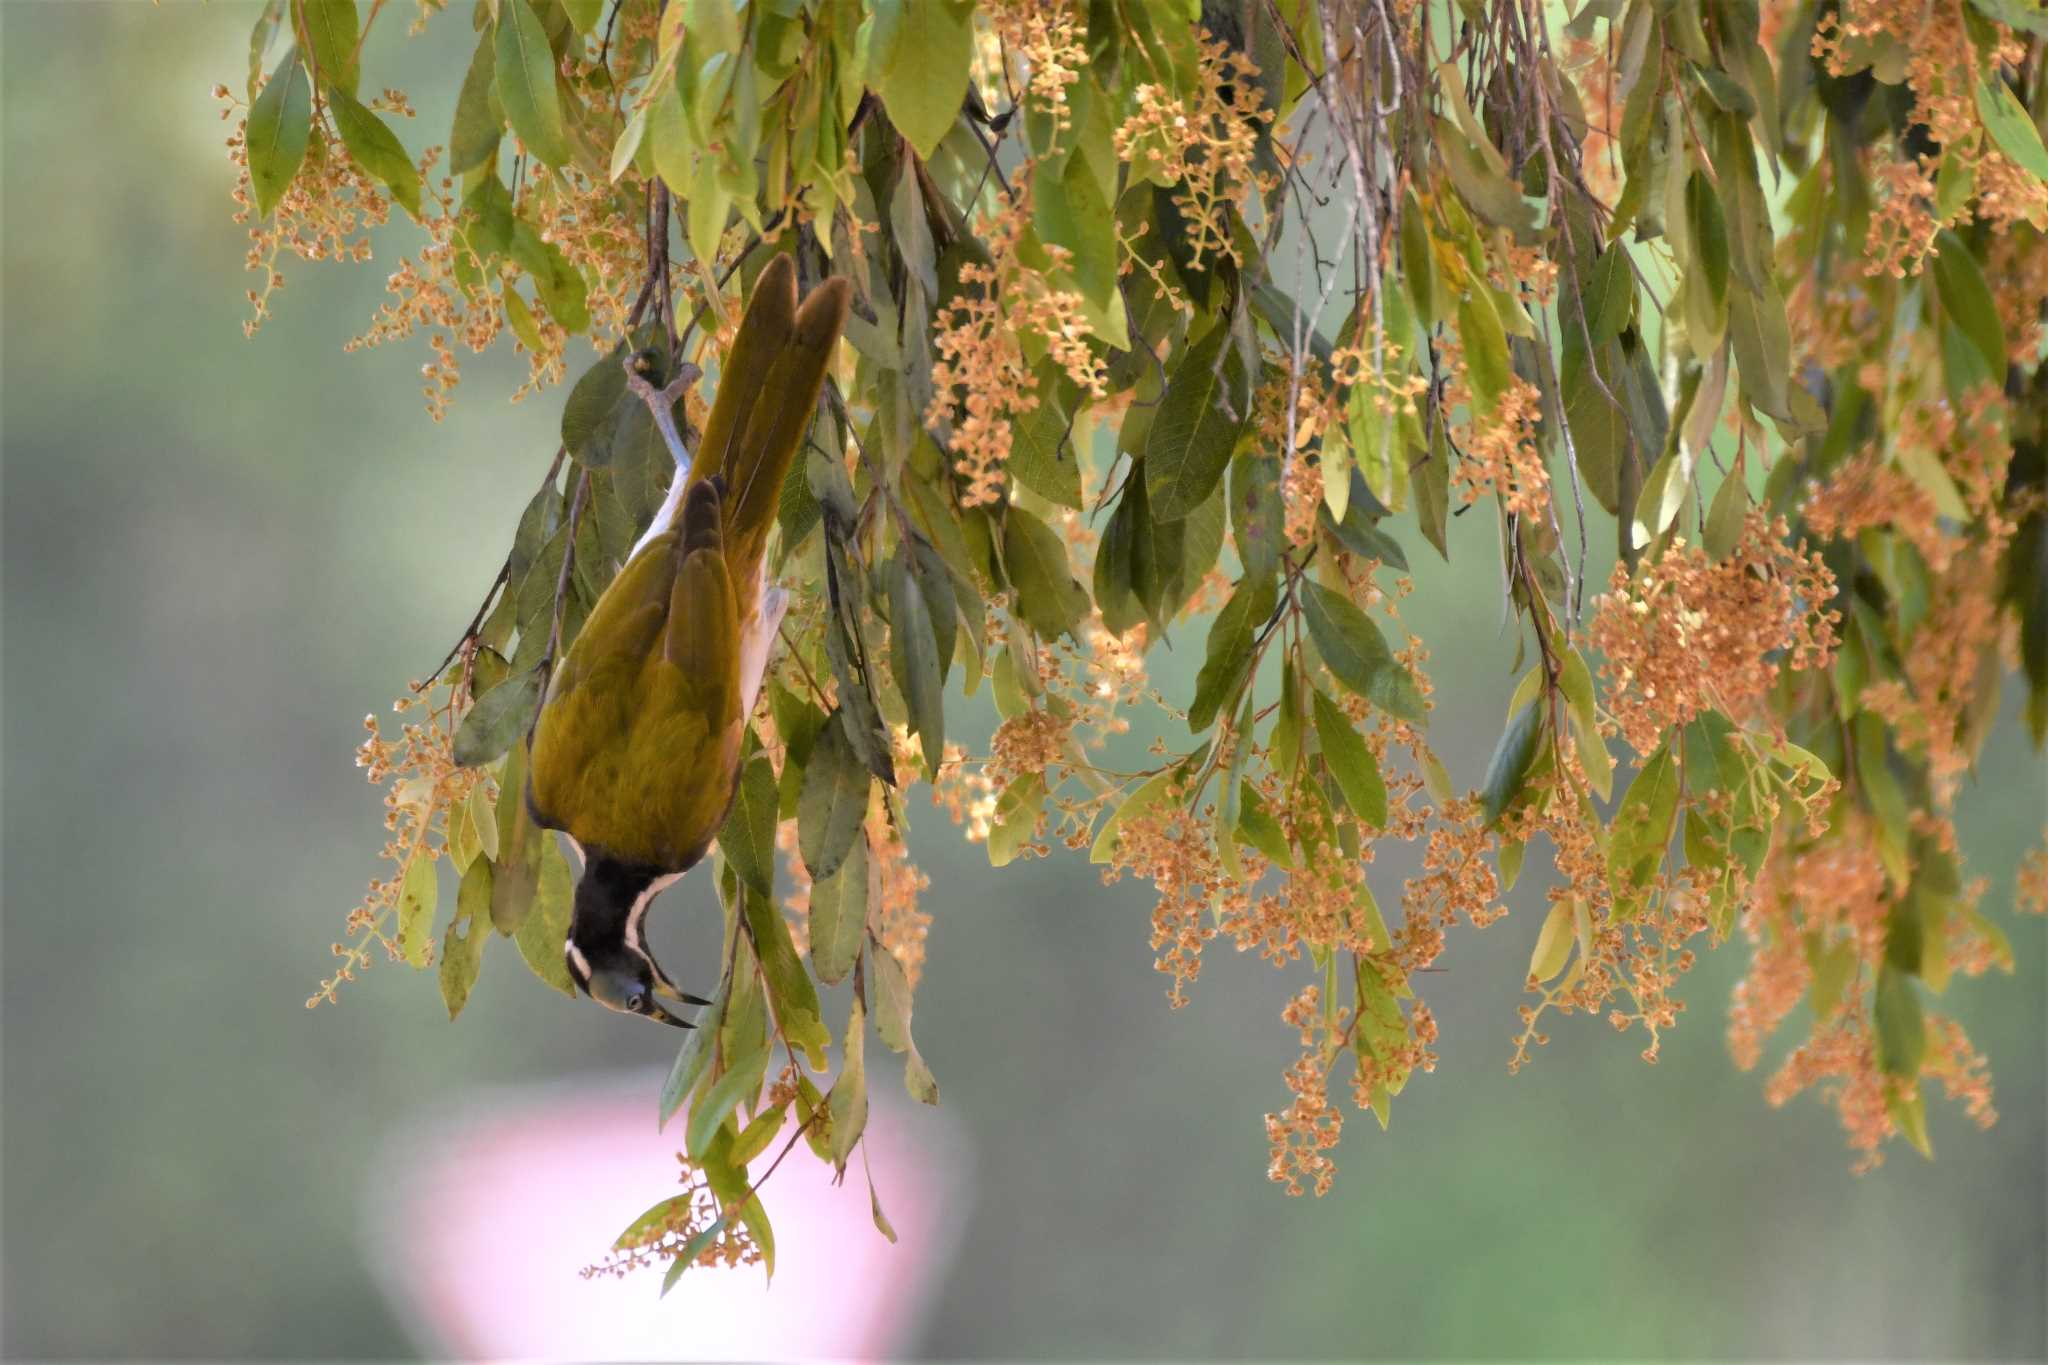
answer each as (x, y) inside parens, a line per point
(1609, 295)
(1202, 413)
(748, 838)
(462, 946)
(280, 123)
(1763, 348)
(544, 930)
(1350, 760)
(558, 283)
(1148, 794)
(2011, 126)
(693, 1056)
(376, 149)
(1553, 942)
(1967, 300)
(2021, 14)
(1073, 212)
(1042, 456)
(839, 916)
(790, 993)
(742, 1082)
(515, 870)
(1643, 823)
(1046, 594)
(847, 1106)
(1512, 755)
(1257, 825)
(333, 28)
(919, 55)
(526, 82)
(914, 656)
(479, 123)
(1486, 348)
(1901, 1027)
(1357, 654)
(416, 899)
(1229, 650)
(1016, 818)
(1726, 515)
(584, 15)
(833, 801)
(692, 1249)
(892, 1021)
(1256, 511)
(497, 720)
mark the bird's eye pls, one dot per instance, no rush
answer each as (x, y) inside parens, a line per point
(636, 1002)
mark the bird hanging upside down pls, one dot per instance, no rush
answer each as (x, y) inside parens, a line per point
(636, 752)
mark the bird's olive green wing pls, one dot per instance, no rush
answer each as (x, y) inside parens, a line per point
(765, 329)
(758, 463)
(591, 699)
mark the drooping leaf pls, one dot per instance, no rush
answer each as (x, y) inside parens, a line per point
(748, 837)
(280, 123)
(847, 1104)
(1512, 755)
(525, 78)
(839, 916)
(914, 654)
(1229, 649)
(791, 996)
(833, 803)
(2011, 126)
(1351, 762)
(333, 29)
(1045, 592)
(1205, 408)
(919, 53)
(1357, 653)
(1966, 298)
(416, 899)
(462, 946)
(376, 149)
(497, 720)
(892, 1021)
(479, 123)
(545, 928)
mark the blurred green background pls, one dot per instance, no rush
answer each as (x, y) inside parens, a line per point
(218, 555)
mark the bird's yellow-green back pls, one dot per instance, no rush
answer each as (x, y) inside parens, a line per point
(636, 751)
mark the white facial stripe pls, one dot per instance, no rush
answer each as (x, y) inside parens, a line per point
(582, 963)
(639, 911)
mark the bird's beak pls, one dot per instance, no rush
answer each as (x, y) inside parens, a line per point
(669, 987)
(656, 1010)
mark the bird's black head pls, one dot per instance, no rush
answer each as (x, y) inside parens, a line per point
(604, 951)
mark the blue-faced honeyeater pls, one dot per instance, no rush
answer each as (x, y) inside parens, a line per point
(636, 751)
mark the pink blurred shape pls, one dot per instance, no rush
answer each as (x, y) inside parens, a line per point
(503, 1197)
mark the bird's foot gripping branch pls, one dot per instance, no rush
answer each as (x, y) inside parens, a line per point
(1195, 319)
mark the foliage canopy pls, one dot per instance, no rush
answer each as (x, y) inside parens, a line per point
(1200, 320)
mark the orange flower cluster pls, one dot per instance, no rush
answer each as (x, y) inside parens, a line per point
(1301, 1134)
(665, 1232)
(325, 215)
(427, 790)
(1044, 37)
(1203, 147)
(1691, 633)
(1502, 455)
(981, 382)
